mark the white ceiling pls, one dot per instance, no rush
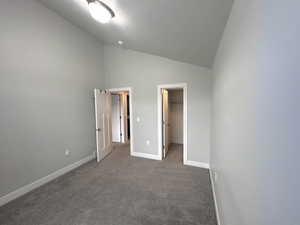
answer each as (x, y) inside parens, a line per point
(183, 30)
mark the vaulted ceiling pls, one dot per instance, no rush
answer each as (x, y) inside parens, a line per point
(183, 30)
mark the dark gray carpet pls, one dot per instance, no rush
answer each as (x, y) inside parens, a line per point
(121, 190)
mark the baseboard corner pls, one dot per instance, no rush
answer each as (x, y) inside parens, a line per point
(196, 164)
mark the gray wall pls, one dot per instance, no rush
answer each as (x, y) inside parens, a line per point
(256, 108)
(48, 69)
(143, 72)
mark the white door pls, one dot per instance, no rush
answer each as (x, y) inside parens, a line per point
(103, 123)
(165, 122)
(123, 117)
(116, 118)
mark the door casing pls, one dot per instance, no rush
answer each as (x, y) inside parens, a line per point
(159, 117)
(129, 90)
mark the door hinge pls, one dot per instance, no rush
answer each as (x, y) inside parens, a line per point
(121, 134)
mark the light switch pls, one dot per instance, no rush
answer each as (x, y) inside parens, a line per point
(138, 119)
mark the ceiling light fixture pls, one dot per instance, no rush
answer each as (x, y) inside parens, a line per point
(120, 42)
(100, 11)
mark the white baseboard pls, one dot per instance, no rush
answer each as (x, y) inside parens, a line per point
(29, 187)
(215, 197)
(197, 164)
(146, 155)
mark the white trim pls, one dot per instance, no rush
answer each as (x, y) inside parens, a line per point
(212, 181)
(146, 155)
(29, 187)
(185, 117)
(129, 89)
(197, 164)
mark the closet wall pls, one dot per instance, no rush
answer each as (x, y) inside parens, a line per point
(176, 116)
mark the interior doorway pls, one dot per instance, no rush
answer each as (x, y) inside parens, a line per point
(120, 116)
(121, 121)
(113, 109)
(172, 121)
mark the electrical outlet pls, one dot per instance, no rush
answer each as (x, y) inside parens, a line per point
(148, 142)
(67, 152)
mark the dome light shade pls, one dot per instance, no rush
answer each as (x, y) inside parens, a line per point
(100, 11)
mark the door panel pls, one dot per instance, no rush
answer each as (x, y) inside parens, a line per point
(123, 117)
(116, 114)
(103, 123)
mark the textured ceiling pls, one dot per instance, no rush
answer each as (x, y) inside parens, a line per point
(183, 30)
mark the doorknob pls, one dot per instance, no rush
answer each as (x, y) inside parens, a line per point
(98, 129)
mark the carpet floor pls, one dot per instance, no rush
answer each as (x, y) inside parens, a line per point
(121, 190)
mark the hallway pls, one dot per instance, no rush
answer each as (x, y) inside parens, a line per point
(175, 154)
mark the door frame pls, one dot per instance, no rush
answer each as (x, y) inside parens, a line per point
(129, 89)
(159, 117)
